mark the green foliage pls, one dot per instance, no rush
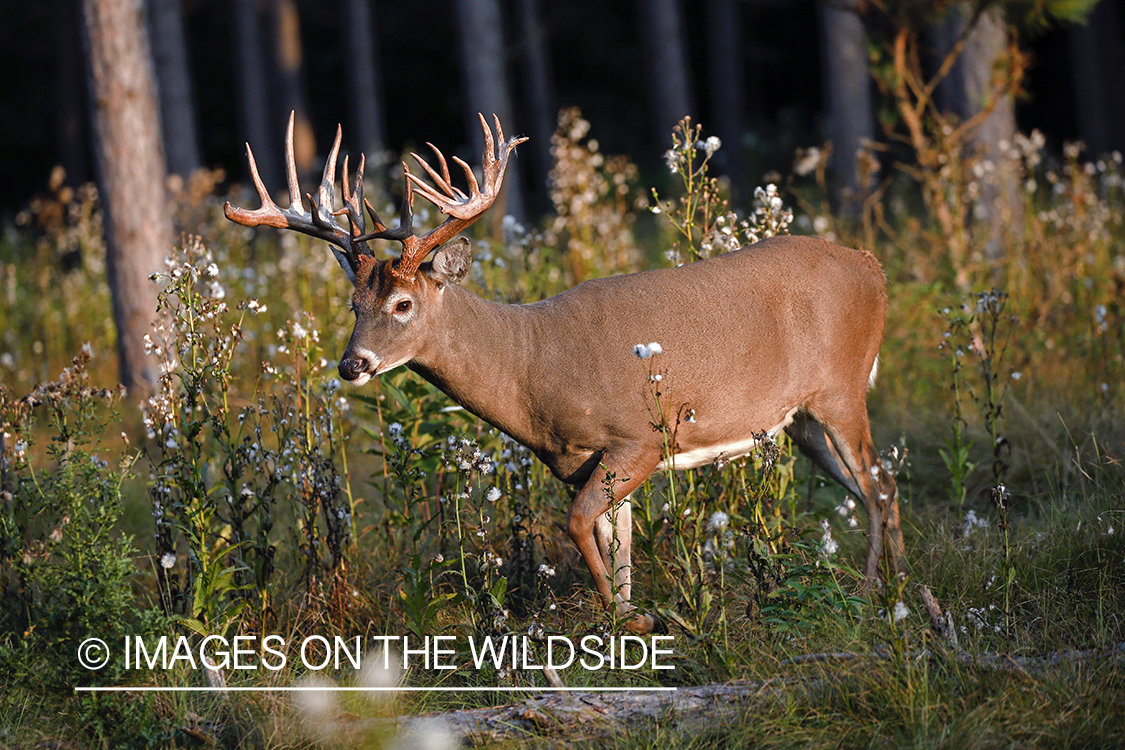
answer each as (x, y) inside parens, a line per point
(452, 528)
(66, 573)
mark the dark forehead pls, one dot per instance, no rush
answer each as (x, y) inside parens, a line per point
(374, 282)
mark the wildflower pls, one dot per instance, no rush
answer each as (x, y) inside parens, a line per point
(690, 416)
(492, 495)
(711, 145)
(718, 521)
(315, 705)
(1017, 375)
(212, 270)
(807, 161)
(828, 545)
(900, 611)
(546, 571)
(21, 450)
(381, 670)
(972, 522)
(672, 160)
(644, 351)
(167, 560)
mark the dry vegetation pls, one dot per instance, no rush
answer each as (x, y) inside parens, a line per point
(253, 495)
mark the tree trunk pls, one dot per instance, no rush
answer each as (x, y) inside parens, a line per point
(130, 167)
(1098, 73)
(726, 72)
(173, 74)
(362, 72)
(540, 86)
(972, 89)
(290, 59)
(486, 82)
(71, 127)
(253, 90)
(669, 90)
(848, 96)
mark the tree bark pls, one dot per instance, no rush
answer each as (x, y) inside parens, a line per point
(726, 72)
(486, 82)
(971, 90)
(71, 126)
(669, 88)
(253, 90)
(130, 168)
(173, 75)
(847, 82)
(290, 60)
(362, 72)
(540, 85)
(1098, 73)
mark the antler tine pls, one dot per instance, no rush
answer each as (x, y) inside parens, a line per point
(260, 186)
(405, 229)
(443, 181)
(489, 156)
(320, 223)
(441, 159)
(291, 167)
(326, 192)
(463, 209)
(353, 199)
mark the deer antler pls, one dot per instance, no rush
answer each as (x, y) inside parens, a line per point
(321, 222)
(462, 209)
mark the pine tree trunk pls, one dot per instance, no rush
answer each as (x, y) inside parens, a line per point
(365, 95)
(253, 90)
(486, 83)
(970, 89)
(173, 75)
(848, 96)
(290, 60)
(726, 72)
(130, 167)
(1098, 74)
(669, 90)
(540, 85)
(71, 111)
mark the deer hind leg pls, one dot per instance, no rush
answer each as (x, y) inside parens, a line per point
(591, 527)
(844, 449)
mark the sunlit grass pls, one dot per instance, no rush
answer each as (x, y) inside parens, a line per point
(443, 526)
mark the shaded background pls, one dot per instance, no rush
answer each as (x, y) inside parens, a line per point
(762, 70)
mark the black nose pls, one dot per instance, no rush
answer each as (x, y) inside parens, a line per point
(352, 367)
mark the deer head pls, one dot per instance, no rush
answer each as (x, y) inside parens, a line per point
(396, 299)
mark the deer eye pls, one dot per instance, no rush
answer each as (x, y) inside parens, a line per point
(403, 306)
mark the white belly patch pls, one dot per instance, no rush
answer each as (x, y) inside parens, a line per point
(707, 455)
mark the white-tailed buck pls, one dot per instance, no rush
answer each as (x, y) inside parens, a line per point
(782, 335)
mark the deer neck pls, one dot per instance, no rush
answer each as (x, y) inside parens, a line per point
(477, 356)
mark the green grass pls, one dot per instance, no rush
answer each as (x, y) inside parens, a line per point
(1044, 578)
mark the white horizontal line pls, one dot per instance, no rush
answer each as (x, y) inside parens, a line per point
(324, 688)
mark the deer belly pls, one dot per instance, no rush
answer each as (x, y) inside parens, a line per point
(708, 454)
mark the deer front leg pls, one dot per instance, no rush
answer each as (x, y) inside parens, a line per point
(614, 533)
(593, 533)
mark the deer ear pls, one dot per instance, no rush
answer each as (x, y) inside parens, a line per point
(452, 261)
